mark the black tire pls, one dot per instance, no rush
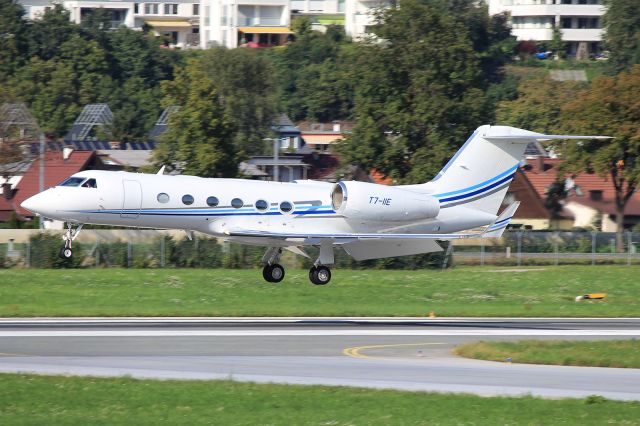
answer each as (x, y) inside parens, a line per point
(277, 273)
(320, 275)
(66, 253)
(266, 273)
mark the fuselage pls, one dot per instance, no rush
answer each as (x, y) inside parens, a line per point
(213, 206)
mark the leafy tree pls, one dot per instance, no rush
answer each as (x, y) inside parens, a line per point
(558, 46)
(538, 104)
(13, 43)
(199, 139)
(422, 91)
(609, 107)
(247, 88)
(622, 37)
(48, 33)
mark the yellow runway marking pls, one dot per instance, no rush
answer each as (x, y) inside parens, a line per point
(355, 351)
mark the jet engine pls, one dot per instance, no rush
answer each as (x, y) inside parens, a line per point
(381, 203)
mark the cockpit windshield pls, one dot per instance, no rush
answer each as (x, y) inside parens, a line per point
(73, 181)
(80, 181)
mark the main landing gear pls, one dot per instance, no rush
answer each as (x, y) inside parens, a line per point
(65, 251)
(319, 274)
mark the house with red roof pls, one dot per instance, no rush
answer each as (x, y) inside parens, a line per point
(57, 167)
(590, 201)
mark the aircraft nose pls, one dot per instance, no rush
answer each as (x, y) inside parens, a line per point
(35, 204)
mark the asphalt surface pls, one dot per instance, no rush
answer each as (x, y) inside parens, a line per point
(395, 353)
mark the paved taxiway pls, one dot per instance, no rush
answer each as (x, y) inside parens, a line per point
(398, 353)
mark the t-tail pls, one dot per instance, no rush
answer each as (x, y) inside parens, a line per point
(479, 174)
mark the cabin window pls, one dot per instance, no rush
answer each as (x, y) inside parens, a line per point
(90, 183)
(236, 203)
(187, 199)
(286, 207)
(262, 205)
(73, 181)
(212, 201)
(163, 198)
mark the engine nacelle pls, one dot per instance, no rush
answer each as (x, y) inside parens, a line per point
(381, 203)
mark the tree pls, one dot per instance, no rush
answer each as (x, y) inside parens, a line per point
(422, 90)
(199, 140)
(622, 37)
(13, 32)
(247, 88)
(558, 46)
(538, 105)
(609, 107)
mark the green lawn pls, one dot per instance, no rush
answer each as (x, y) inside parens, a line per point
(470, 291)
(610, 353)
(30, 400)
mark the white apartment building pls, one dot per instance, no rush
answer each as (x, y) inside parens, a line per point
(175, 20)
(252, 23)
(579, 20)
(229, 23)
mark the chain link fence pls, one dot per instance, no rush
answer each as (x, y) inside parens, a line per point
(159, 250)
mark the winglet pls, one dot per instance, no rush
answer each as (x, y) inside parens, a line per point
(496, 229)
(161, 171)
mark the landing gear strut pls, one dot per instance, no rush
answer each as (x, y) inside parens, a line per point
(272, 272)
(66, 252)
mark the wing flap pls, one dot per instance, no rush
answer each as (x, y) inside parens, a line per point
(350, 236)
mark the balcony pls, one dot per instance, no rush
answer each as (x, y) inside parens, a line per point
(260, 22)
(533, 33)
(587, 34)
(555, 9)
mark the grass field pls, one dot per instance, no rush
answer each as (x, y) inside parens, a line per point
(610, 353)
(471, 291)
(26, 400)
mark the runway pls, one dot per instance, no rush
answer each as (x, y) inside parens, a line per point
(395, 353)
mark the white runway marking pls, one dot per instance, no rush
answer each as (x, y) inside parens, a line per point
(284, 332)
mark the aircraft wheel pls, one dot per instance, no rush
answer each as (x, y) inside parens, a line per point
(273, 273)
(320, 275)
(66, 253)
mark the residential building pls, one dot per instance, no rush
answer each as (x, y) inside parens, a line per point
(589, 202)
(360, 16)
(322, 13)
(177, 21)
(252, 23)
(579, 20)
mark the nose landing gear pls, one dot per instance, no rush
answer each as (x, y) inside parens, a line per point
(66, 252)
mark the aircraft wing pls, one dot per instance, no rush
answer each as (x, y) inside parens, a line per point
(349, 236)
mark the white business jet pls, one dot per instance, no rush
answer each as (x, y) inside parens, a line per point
(368, 221)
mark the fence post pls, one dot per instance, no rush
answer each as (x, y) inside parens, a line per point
(556, 255)
(162, 251)
(97, 254)
(481, 251)
(593, 248)
(28, 254)
(196, 258)
(129, 249)
(519, 238)
(629, 246)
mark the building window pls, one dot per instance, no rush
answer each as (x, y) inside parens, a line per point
(196, 9)
(212, 201)
(262, 205)
(151, 9)
(566, 22)
(236, 203)
(286, 207)
(170, 9)
(163, 198)
(136, 8)
(187, 199)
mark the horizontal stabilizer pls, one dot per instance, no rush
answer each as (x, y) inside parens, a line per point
(496, 229)
(538, 137)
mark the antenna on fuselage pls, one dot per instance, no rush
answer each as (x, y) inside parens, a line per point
(161, 171)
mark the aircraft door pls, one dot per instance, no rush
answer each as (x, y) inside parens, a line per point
(132, 199)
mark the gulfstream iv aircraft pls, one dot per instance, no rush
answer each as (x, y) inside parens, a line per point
(368, 221)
